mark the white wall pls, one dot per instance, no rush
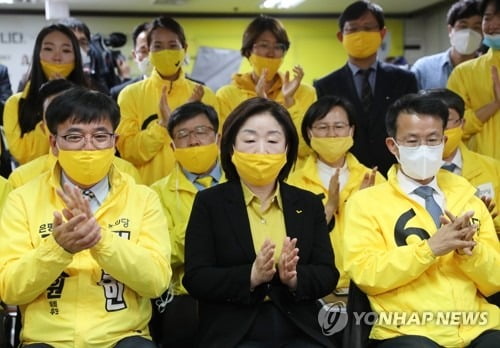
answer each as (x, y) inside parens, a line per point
(430, 31)
(18, 34)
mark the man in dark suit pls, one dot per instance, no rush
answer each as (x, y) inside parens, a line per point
(369, 84)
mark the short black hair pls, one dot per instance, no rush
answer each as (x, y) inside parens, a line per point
(451, 99)
(485, 3)
(239, 116)
(320, 108)
(462, 9)
(359, 8)
(188, 111)
(143, 27)
(76, 24)
(50, 88)
(415, 104)
(169, 24)
(81, 105)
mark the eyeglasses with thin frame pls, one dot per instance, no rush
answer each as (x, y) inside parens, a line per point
(101, 140)
(266, 47)
(322, 129)
(415, 142)
(354, 29)
(200, 132)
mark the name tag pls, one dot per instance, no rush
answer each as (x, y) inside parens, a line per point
(485, 190)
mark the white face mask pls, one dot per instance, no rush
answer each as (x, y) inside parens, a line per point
(85, 59)
(144, 66)
(421, 162)
(465, 41)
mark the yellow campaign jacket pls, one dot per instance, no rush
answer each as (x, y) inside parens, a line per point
(32, 144)
(142, 141)
(42, 164)
(482, 172)
(388, 257)
(177, 194)
(308, 178)
(242, 88)
(97, 296)
(472, 81)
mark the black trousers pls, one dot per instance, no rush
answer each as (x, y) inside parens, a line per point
(488, 339)
(177, 325)
(273, 329)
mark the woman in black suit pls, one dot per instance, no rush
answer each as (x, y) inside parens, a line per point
(257, 251)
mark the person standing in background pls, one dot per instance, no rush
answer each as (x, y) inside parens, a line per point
(265, 44)
(370, 85)
(144, 140)
(140, 53)
(477, 82)
(466, 35)
(56, 55)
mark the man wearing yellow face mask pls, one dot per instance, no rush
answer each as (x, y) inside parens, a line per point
(195, 141)
(84, 240)
(44, 163)
(265, 44)
(144, 139)
(483, 172)
(367, 83)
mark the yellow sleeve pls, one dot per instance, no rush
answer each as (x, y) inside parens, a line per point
(304, 97)
(370, 263)
(177, 247)
(457, 83)
(145, 266)
(485, 255)
(134, 144)
(15, 179)
(26, 271)
(28, 146)
(128, 168)
(229, 97)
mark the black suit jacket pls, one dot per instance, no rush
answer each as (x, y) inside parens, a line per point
(391, 83)
(219, 253)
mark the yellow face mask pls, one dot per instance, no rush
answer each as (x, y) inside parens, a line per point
(197, 159)
(362, 44)
(86, 167)
(56, 71)
(260, 63)
(331, 149)
(167, 62)
(454, 136)
(258, 169)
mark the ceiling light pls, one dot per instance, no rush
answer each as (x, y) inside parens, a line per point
(280, 3)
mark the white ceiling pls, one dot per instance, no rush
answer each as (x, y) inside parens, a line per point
(322, 7)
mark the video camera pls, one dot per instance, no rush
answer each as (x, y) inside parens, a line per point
(107, 55)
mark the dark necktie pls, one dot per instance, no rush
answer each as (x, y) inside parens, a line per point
(449, 167)
(366, 90)
(430, 204)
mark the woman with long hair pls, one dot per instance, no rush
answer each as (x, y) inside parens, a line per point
(56, 54)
